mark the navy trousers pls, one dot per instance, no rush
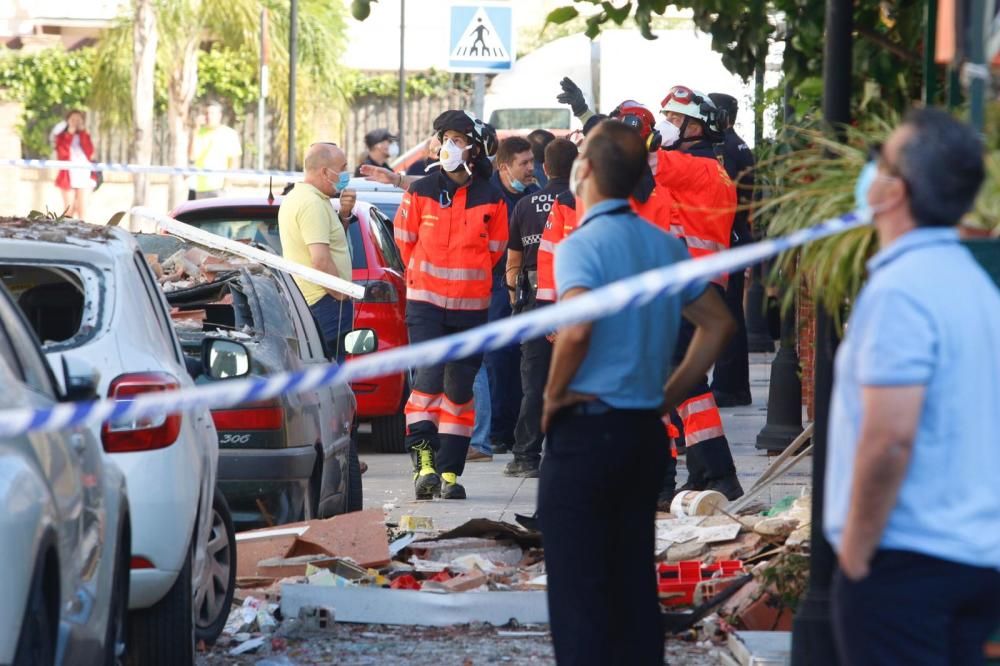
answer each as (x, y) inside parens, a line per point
(597, 506)
(916, 610)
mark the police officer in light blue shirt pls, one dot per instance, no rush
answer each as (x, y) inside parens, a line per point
(912, 502)
(606, 449)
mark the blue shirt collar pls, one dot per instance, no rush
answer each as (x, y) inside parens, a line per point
(911, 240)
(601, 208)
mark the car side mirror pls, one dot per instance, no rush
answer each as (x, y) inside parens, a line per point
(80, 379)
(224, 359)
(360, 341)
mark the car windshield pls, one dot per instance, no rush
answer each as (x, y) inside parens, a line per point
(263, 228)
(502, 119)
(62, 303)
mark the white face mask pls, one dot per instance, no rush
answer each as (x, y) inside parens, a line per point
(669, 133)
(574, 181)
(452, 155)
(393, 149)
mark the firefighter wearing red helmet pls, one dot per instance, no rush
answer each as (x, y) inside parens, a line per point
(451, 229)
(689, 166)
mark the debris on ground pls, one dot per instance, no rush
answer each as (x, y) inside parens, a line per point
(717, 573)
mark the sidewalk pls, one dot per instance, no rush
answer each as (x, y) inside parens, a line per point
(388, 483)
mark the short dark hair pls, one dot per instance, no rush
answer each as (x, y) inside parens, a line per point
(617, 156)
(559, 156)
(941, 164)
(539, 139)
(727, 102)
(593, 122)
(511, 146)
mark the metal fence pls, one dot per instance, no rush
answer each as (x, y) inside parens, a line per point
(112, 144)
(419, 115)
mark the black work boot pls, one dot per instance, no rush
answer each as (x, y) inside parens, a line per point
(728, 485)
(524, 469)
(450, 487)
(426, 482)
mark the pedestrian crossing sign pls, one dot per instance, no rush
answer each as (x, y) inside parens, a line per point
(482, 38)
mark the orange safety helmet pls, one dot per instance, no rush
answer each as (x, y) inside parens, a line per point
(634, 114)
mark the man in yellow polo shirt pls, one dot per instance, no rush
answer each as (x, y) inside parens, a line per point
(312, 235)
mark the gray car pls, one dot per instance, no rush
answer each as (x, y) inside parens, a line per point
(291, 457)
(64, 528)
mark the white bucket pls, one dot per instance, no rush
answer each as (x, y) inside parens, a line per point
(697, 503)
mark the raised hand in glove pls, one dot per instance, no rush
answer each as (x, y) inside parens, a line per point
(572, 95)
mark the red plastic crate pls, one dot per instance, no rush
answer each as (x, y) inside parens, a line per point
(680, 580)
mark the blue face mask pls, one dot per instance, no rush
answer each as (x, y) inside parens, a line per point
(343, 180)
(517, 185)
(864, 183)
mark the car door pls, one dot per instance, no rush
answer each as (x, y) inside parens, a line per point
(336, 426)
(69, 459)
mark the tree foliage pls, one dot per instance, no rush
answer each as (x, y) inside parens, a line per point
(49, 84)
(887, 45)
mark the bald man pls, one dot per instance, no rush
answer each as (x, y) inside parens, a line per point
(312, 235)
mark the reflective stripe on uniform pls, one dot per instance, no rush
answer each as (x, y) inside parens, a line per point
(417, 417)
(692, 438)
(702, 244)
(546, 246)
(404, 235)
(457, 429)
(496, 246)
(452, 273)
(677, 230)
(545, 294)
(700, 404)
(422, 407)
(445, 302)
(449, 407)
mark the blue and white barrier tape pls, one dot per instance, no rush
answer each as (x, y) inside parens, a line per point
(255, 174)
(631, 292)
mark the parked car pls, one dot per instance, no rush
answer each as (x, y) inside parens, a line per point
(89, 295)
(64, 528)
(280, 460)
(377, 265)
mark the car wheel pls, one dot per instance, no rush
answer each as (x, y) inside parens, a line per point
(116, 639)
(214, 595)
(36, 646)
(164, 633)
(389, 433)
(355, 493)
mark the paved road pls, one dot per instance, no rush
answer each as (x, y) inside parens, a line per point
(389, 484)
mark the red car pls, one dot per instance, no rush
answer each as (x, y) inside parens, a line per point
(377, 265)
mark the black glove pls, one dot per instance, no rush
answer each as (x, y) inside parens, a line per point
(572, 95)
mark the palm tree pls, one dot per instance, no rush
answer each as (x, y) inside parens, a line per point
(184, 27)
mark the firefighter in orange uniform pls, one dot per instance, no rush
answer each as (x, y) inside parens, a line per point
(689, 167)
(451, 229)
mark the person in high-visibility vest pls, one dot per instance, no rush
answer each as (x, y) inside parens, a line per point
(451, 229)
(689, 166)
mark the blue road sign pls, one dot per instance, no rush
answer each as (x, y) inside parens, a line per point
(482, 38)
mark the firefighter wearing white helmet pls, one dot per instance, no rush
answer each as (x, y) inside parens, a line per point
(689, 165)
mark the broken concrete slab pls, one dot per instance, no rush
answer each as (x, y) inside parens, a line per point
(360, 536)
(447, 550)
(285, 551)
(494, 529)
(407, 607)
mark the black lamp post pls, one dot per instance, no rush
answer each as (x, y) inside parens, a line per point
(812, 635)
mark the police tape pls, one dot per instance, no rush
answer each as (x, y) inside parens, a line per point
(254, 174)
(269, 259)
(627, 293)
